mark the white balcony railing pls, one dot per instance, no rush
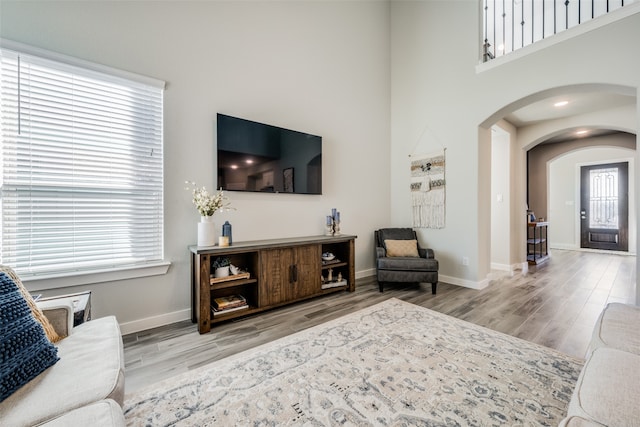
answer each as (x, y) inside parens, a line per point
(512, 24)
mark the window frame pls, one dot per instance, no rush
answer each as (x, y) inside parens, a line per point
(52, 280)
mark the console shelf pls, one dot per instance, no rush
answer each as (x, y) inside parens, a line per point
(281, 271)
(232, 283)
(537, 248)
(234, 277)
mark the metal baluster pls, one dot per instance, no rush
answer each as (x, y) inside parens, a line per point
(533, 26)
(504, 29)
(486, 30)
(543, 16)
(513, 25)
(485, 48)
(494, 29)
(579, 11)
(522, 23)
(555, 17)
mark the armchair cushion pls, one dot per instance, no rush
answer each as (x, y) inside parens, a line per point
(25, 351)
(402, 248)
(407, 264)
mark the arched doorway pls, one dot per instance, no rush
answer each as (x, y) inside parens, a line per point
(617, 113)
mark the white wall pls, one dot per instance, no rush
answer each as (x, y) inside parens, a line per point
(435, 49)
(564, 193)
(317, 67)
(500, 200)
(369, 76)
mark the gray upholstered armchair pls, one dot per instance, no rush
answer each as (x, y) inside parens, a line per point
(399, 258)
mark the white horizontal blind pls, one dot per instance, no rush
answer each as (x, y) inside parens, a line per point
(81, 168)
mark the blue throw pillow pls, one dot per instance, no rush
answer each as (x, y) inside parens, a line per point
(25, 351)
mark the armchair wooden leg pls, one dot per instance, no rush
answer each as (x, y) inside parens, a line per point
(433, 288)
(380, 286)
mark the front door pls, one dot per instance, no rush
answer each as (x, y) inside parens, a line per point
(604, 213)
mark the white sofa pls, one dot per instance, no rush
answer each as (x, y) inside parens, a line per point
(608, 388)
(84, 388)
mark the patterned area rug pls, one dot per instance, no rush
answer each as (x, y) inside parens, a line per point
(392, 364)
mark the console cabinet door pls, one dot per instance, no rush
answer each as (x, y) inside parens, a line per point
(307, 271)
(289, 274)
(275, 276)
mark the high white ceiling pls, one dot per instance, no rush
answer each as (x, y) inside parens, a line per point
(578, 103)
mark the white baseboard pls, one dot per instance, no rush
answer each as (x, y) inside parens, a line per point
(567, 247)
(179, 316)
(464, 282)
(365, 273)
(155, 321)
(564, 246)
(501, 267)
(511, 268)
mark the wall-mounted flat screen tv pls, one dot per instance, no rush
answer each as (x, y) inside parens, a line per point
(263, 158)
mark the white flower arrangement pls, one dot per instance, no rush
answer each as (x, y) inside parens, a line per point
(208, 204)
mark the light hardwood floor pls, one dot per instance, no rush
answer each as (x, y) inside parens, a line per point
(555, 305)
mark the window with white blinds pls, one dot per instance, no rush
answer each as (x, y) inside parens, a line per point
(81, 168)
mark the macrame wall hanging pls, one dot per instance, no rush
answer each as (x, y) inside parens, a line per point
(428, 189)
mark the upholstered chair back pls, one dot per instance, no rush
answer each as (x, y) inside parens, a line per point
(394, 234)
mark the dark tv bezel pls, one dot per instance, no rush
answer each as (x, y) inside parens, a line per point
(281, 169)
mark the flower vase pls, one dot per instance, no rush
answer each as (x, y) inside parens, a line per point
(206, 231)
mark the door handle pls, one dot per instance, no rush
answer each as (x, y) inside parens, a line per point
(293, 273)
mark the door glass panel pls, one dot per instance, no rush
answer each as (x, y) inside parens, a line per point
(603, 200)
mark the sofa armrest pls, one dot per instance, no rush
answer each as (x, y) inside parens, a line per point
(380, 252)
(426, 253)
(59, 312)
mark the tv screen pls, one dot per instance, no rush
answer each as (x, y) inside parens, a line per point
(259, 157)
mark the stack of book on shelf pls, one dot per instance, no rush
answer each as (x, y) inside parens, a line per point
(224, 305)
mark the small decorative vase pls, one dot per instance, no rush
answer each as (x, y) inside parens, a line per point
(226, 231)
(222, 272)
(206, 231)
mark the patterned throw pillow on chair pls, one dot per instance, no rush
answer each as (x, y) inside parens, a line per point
(25, 350)
(407, 248)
